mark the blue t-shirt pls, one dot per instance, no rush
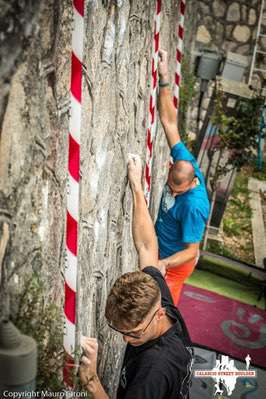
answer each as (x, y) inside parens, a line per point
(181, 220)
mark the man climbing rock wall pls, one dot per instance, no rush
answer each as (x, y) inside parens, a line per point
(34, 147)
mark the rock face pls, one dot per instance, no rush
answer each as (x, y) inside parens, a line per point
(219, 7)
(203, 35)
(241, 33)
(224, 26)
(239, 19)
(34, 147)
(35, 53)
(233, 13)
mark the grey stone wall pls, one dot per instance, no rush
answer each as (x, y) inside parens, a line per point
(35, 56)
(228, 25)
(34, 147)
(225, 26)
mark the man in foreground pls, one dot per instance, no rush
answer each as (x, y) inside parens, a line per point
(158, 358)
(184, 206)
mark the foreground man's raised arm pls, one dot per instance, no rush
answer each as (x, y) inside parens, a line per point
(146, 245)
(142, 227)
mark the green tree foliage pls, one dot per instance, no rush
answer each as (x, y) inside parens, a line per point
(43, 321)
(237, 139)
(238, 129)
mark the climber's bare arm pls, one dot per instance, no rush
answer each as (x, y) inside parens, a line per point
(179, 258)
(167, 110)
(143, 230)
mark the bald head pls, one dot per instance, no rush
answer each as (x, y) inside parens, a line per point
(182, 172)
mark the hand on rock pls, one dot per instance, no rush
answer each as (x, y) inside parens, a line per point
(134, 168)
(163, 66)
(88, 362)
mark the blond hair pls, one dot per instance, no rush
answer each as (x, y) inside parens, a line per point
(131, 298)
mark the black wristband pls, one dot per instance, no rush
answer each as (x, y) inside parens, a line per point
(163, 84)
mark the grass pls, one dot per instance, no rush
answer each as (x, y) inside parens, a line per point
(237, 228)
(237, 219)
(243, 290)
(219, 249)
(44, 323)
(260, 174)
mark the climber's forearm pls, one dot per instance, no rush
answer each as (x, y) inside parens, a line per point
(181, 257)
(167, 110)
(168, 116)
(143, 230)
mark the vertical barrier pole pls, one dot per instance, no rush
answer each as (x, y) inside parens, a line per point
(72, 217)
(151, 130)
(179, 51)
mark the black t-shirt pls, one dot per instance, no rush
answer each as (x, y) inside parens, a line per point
(161, 368)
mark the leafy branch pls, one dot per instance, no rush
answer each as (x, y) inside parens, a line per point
(236, 141)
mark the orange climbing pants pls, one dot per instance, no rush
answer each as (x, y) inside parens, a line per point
(176, 276)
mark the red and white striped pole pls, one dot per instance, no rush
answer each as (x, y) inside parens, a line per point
(179, 50)
(151, 130)
(72, 217)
